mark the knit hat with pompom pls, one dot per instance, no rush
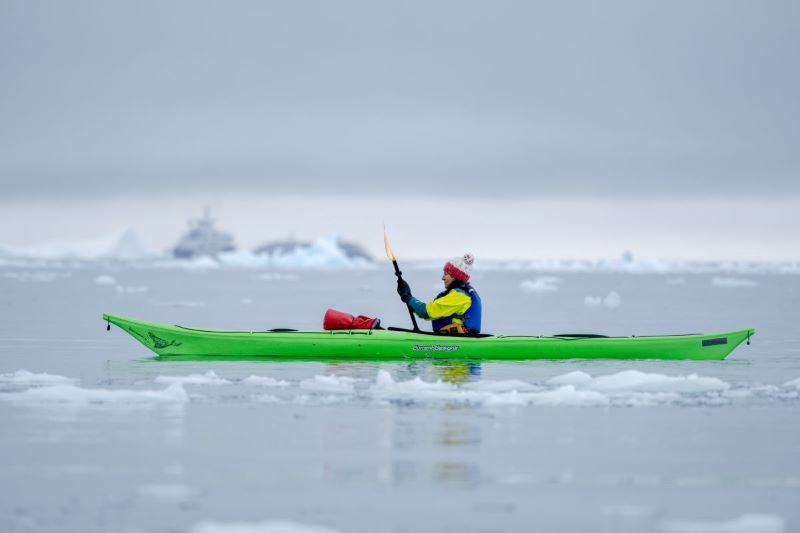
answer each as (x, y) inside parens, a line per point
(460, 267)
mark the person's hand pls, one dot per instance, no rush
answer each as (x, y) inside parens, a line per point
(403, 290)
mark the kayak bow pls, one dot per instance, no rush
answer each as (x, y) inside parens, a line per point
(168, 340)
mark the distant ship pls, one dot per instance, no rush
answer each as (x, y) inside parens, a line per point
(350, 249)
(203, 239)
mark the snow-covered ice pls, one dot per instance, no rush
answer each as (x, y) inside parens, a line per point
(612, 300)
(732, 283)
(124, 245)
(209, 378)
(746, 523)
(26, 378)
(75, 396)
(541, 284)
(265, 381)
(335, 384)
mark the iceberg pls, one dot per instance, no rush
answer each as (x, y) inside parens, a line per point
(325, 252)
(123, 246)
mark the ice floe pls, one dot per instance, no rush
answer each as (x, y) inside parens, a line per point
(124, 245)
(335, 384)
(567, 395)
(732, 283)
(136, 289)
(24, 377)
(627, 388)
(37, 276)
(612, 300)
(267, 398)
(747, 523)
(269, 526)
(73, 395)
(209, 378)
(638, 266)
(265, 381)
(793, 383)
(635, 380)
(110, 281)
(506, 385)
(542, 284)
(325, 253)
(28, 388)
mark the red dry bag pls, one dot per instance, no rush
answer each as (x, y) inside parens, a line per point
(340, 320)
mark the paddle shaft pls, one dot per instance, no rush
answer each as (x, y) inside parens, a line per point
(410, 311)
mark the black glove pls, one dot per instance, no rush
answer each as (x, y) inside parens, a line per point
(403, 290)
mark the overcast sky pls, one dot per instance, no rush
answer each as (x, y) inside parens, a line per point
(632, 101)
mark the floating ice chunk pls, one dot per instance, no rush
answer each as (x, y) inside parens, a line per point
(571, 378)
(566, 395)
(747, 523)
(675, 281)
(124, 245)
(385, 382)
(717, 281)
(500, 386)
(80, 397)
(541, 285)
(648, 399)
(140, 289)
(336, 384)
(612, 300)
(384, 379)
(105, 279)
(267, 398)
(196, 264)
(209, 378)
(738, 394)
(37, 277)
(635, 380)
(642, 381)
(793, 383)
(270, 526)
(23, 377)
(265, 381)
(592, 301)
(386, 388)
(511, 398)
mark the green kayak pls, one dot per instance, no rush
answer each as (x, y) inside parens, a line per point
(167, 340)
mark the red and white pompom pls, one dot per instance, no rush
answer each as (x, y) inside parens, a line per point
(460, 267)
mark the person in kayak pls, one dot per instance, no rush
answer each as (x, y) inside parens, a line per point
(457, 309)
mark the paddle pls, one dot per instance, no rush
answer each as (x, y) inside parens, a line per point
(393, 259)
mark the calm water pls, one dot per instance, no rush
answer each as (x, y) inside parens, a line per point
(138, 445)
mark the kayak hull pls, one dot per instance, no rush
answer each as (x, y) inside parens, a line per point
(167, 340)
